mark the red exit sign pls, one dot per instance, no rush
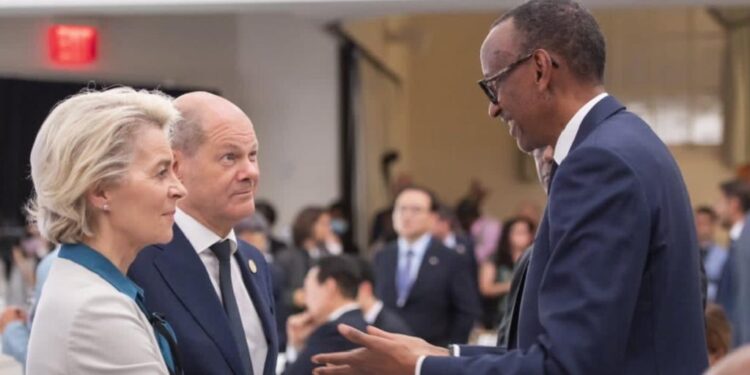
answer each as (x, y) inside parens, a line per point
(72, 44)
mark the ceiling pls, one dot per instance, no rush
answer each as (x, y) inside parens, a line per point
(318, 9)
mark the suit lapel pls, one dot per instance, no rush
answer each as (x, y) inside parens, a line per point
(606, 107)
(431, 259)
(390, 260)
(261, 303)
(186, 275)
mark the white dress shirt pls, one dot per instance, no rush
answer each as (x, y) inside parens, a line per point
(371, 315)
(351, 306)
(568, 135)
(419, 248)
(201, 238)
(736, 231)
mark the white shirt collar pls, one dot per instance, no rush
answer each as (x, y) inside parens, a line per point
(450, 241)
(568, 135)
(200, 237)
(736, 230)
(419, 246)
(342, 310)
(372, 314)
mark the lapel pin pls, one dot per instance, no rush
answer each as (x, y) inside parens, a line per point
(461, 249)
(253, 267)
(434, 261)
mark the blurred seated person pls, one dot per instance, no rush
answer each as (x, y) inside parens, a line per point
(714, 256)
(310, 230)
(495, 275)
(331, 298)
(26, 254)
(254, 230)
(376, 314)
(15, 322)
(266, 209)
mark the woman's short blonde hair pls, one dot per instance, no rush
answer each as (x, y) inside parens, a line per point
(87, 142)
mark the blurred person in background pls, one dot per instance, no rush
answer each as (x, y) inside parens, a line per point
(266, 209)
(484, 229)
(341, 227)
(375, 312)
(331, 288)
(733, 293)
(448, 230)
(427, 284)
(15, 322)
(714, 256)
(495, 274)
(529, 210)
(382, 231)
(26, 254)
(718, 334)
(254, 230)
(311, 230)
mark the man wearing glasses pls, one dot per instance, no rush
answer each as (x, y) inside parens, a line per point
(613, 283)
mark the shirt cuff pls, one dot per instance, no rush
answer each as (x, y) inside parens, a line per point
(418, 368)
(291, 354)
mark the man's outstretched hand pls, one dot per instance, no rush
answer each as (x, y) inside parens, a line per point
(381, 353)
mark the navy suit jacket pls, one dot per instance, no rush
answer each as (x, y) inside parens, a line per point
(326, 339)
(389, 321)
(443, 302)
(613, 282)
(176, 284)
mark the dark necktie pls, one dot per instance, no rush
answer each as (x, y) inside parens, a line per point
(223, 252)
(552, 174)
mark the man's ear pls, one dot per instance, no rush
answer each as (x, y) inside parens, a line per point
(179, 159)
(543, 66)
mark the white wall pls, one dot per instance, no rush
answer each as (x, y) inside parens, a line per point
(281, 70)
(288, 73)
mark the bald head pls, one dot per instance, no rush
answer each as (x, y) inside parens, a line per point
(216, 158)
(200, 111)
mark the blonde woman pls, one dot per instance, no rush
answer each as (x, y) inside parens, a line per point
(104, 186)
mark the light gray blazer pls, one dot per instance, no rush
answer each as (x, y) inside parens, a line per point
(83, 325)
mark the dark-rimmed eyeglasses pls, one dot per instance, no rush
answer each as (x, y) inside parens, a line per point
(491, 84)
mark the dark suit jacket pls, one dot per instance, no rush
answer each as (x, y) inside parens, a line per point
(294, 264)
(389, 321)
(613, 282)
(176, 284)
(507, 332)
(734, 286)
(465, 248)
(326, 339)
(443, 304)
